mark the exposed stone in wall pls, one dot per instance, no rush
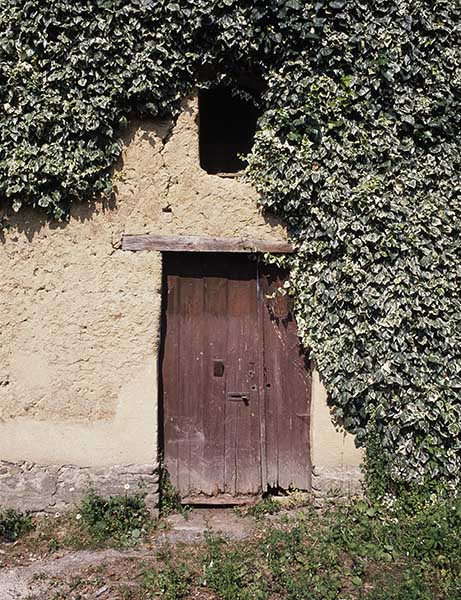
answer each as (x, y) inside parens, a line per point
(336, 482)
(53, 488)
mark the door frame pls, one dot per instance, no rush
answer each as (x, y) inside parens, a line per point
(182, 243)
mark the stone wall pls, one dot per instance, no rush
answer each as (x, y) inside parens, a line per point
(56, 488)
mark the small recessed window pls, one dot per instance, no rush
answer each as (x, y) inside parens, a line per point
(227, 129)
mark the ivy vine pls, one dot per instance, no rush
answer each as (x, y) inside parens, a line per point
(358, 150)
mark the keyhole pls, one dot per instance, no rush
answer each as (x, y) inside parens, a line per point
(218, 368)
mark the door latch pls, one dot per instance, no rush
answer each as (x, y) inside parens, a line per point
(235, 397)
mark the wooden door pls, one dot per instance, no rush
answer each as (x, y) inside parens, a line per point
(287, 388)
(231, 401)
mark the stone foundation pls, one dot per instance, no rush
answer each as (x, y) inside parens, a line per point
(50, 489)
(336, 482)
(36, 488)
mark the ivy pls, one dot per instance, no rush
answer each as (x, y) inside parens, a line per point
(365, 134)
(72, 75)
(357, 151)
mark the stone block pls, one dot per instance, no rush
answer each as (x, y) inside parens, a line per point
(52, 488)
(336, 482)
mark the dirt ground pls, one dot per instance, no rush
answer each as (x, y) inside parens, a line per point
(43, 574)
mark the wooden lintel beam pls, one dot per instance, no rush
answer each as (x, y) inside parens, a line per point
(183, 243)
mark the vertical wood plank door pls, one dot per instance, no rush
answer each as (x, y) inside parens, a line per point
(233, 400)
(287, 388)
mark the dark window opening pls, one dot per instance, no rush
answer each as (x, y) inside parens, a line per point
(227, 129)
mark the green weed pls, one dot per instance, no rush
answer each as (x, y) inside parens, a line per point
(171, 581)
(360, 551)
(13, 524)
(123, 519)
(170, 501)
(232, 570)
(356, 551)
(267, 506)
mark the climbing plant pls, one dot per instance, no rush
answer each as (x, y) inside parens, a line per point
(358, 150)
(366, 135)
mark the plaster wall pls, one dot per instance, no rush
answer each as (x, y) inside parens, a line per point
(79, 318)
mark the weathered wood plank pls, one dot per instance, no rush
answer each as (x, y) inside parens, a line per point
(287, 386)
(167, 243)
(221, 500)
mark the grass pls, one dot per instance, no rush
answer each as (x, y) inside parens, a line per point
(267, 506)
(356, 551)
(344, 552)
(116, 521)
(170, 581)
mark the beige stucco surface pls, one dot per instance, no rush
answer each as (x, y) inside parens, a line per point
(79, 318)
(329, 446)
